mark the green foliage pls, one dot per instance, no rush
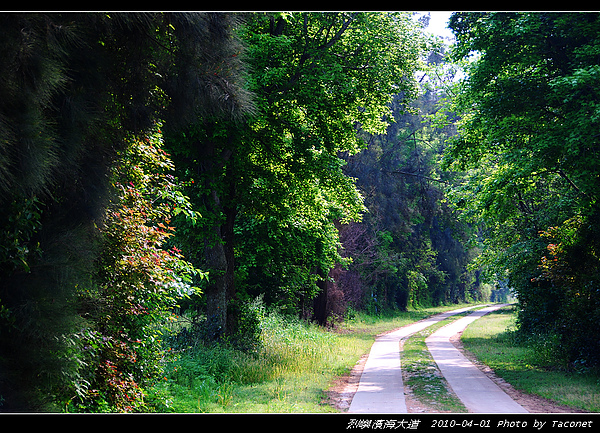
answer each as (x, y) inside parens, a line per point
(272, 186)
(140, 279)
(18, 245)
(280, 257)
(528, 109)
(412, 249)
(567, 273)
(319, 76)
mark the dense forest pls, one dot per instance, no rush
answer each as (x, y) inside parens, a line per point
(155, 166)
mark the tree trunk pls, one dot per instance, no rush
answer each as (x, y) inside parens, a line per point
(219, 249)
(320, 301)
(216, 292)
(229, 242)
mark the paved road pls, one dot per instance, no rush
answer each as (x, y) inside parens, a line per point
(477, 392)
(380, 389)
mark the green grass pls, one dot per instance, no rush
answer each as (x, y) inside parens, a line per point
(291, 372)
(491, 341)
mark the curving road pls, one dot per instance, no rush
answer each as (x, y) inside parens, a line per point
(478, 392)
(381, 389)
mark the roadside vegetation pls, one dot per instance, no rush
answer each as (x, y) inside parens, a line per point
(290, 369)
(294, 363)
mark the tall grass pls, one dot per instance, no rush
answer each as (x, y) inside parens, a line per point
(289, 371)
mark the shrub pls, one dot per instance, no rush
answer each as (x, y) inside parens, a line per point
(138, 281)
(562, 303)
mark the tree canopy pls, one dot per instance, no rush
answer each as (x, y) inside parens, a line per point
(527, 137)
(161, 174)
(275, 184)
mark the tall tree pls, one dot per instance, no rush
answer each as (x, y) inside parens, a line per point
(315, 77)
(74, 87)
(528, 108)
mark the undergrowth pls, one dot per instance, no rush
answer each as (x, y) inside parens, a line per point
(289, 369)
(293, 360)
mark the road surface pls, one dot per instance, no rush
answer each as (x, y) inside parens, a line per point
(478, 392)
(381, 389)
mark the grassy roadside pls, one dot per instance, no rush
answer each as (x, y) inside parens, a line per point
(290, 373)
(489, 339)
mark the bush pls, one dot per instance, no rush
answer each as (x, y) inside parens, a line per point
(138, 280)
(250, 316)
(562, 303)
